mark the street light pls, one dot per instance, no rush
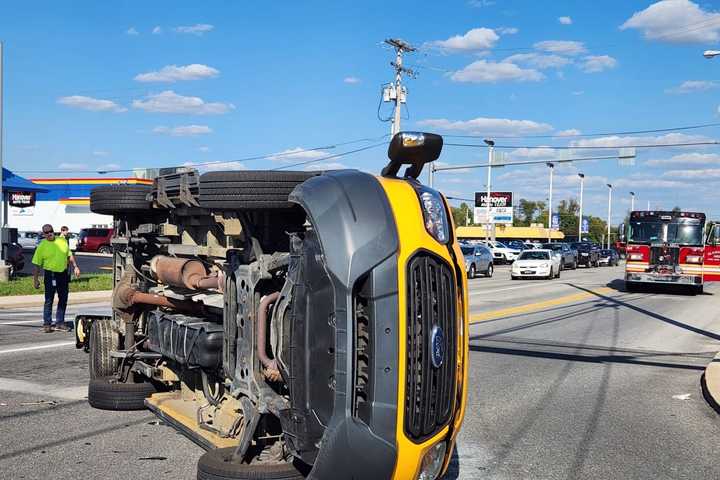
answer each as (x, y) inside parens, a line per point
(632, 201)
(582, 182)
(552, 168)
(711, 53)
(491, 149)
(609, 212)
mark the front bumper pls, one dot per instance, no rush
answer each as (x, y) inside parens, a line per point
(537, 272)
(652, 277)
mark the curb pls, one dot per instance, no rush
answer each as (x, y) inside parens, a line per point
(74, 298)
(711, 383)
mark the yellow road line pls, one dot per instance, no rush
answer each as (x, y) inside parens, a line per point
(534, 307)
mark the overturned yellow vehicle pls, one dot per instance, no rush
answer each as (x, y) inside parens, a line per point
(294, 324)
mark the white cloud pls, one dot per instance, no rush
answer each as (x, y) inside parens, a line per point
(565, 20)
(100, 153)
(676, 21)
(108, 166)
(326, 166)
(297, 153)
(225, 166)
(92, 104)
(488, 126)
(481, 3)
(351, 80)
(72, 166)
(173, 73)
(538, 60)
(157, 30)
(569, 133)
(474, 40)
(170, 102)
(199, 29)
(648, 183)
(597, 63)
(578, 92)
(708, 173)
(507, 30)
(534, 153)
(691, 86)
(686, 159)
(203, 149)
(183, 130)
(482, 71)
(562, 47)
(617, 141)
(132, 31)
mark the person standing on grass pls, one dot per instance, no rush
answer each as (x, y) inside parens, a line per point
(52, 256)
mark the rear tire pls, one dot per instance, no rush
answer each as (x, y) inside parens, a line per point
(108, 394)
(103, 340)
(216, 465)
(120, 199)
(471, 273)
(249, 190)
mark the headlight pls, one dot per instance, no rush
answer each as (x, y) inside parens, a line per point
(436, 221)
(544, 265)
(694, 259)
(432, 462)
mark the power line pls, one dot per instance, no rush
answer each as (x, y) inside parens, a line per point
(600, 134)
(246, 159)
(329, 157)
(592, 147)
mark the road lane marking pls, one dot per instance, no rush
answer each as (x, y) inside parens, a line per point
(42, 346)
(43, 389)
(537, 306)
(20, 322)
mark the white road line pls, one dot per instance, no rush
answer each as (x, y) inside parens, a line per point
(43, 346)
(43, 389)
(20, 322)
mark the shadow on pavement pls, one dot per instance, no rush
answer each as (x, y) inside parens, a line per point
(682, 290)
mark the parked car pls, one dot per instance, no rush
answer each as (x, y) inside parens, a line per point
(516, 244)
(542, 263)
(501, 252)
(533, 245)
(478, 259)
(588, 254)
(95, 240)
(28, 240)
(568, 255)
(15, 258)
(609, 257)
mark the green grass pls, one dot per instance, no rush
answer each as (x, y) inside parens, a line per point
(86, 283)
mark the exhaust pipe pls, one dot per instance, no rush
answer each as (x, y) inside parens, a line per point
(271, 371)
(184, 272)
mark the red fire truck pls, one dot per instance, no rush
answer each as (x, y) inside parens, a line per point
(671, 248)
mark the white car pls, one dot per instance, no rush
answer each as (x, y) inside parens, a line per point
(28, 240)
(536, 263)
(501, 252)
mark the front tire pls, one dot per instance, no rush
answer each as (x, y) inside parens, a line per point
(217, 464)
(471, 273)
(489, 272)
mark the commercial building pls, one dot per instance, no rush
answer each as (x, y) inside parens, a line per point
(66, 202)
(507, 232)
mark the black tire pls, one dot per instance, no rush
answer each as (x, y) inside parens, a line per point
(471, 273)
(120, 199)
(490, 270)
(551, 275)
(558, 274)
(109, 394)
(574, 265)
(215, 465)
(249, 190)
(105, 249)
(102, 341)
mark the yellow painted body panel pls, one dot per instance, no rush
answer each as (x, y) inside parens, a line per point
(413, 237)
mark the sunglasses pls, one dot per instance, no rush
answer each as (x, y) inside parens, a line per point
(48, 233)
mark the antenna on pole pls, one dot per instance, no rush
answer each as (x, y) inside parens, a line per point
(395, 91)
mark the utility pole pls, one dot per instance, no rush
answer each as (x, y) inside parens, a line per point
(632, 201)
(396, 92)
(491, 150)
(609, 212)
(2, 193)
(580, 220)
(648, 207)
(552, 169)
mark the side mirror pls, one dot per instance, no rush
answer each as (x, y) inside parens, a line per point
(414, 149)
(621, 232)
(714, 235)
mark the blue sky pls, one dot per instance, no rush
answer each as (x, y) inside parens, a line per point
(106, 85)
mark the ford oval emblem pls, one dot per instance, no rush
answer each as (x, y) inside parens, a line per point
(437, 346)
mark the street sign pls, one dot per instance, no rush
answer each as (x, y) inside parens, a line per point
(501, 208)
(585, 226)
(555, 222)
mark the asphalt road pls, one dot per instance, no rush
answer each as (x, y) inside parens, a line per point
(570, 378)
(88, 263)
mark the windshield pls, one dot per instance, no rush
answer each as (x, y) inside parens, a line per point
(552, 246)
(467, 250)
(683, 231)
(534, 255)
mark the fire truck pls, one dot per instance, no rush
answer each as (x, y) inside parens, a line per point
(671, 248)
